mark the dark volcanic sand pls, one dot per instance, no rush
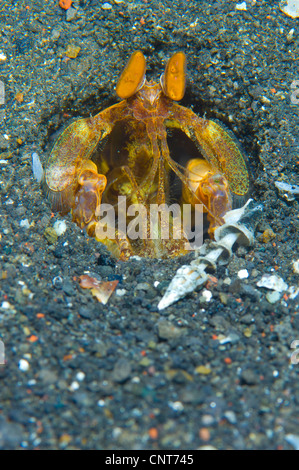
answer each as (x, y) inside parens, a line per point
(124, 375)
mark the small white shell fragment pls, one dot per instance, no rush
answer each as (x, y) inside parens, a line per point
(296, 266)
(272, 282)
(23, 365)
(231, 338)
(60, 227)
(120, 292)
(176, 405)
(194, 24)
(290, 8)
(243, 274)
(207, 294)
(293, 440)
(290, 191)
(24, 223)
(74, 386)
(265, 100)
(6, 305)
(290, 35)
(106, 6)
(294, 291)
(241, 6)
(37, 168)
(2, 57)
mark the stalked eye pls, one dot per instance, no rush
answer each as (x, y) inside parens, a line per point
(173, 81)
(132, 78)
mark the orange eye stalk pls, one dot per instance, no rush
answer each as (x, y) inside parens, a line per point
(173, 81)
(132, 78)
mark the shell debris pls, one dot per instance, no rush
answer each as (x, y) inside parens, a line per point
(239, 225)
(272, 282)
(37, 167)
(101, 290)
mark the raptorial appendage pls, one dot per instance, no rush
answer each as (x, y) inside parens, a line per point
(208, 188)
(88, 196)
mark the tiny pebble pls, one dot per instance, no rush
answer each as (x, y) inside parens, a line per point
(230, 416)
(80, 376)
(72, 51)
(64, 440)
(106, 6)
(203, 370)
(122, 370)
(23, 365)
(55, 34)
(273, 297)
(51, 235)
(268, 235)
(166, 330)
(247, 333)
(71, 14)
(204, 434)
(207, 420)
